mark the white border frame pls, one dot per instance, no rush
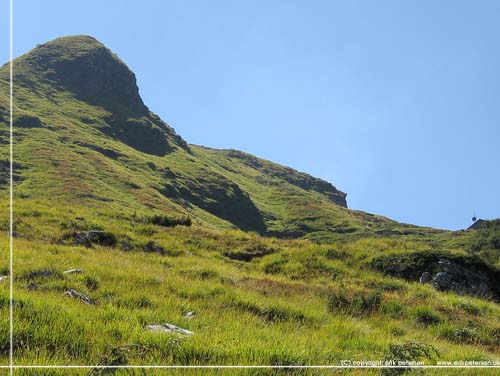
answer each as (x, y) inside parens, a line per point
(11, 187)
(13, 367)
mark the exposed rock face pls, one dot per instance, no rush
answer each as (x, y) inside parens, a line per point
(465, 275)
(462, 280)
(141, 134)
(90, 70)
(88, 238)
(425, 277)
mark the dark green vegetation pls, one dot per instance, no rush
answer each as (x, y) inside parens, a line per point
(275, 267)
(486, 241)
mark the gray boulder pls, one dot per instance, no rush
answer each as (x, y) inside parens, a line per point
(72, 293)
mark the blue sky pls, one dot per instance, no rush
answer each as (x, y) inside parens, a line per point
(394, 102)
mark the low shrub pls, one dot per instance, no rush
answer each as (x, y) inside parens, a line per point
(135, 302)
(426, 316)
(118, 356)
(354, 303)
(274, 266)
(41, 273)
(249, 253)
(336, 254)
(463, 335)
(153, 247)
(404, 353)
(103, 238)
(202, 274)
(469, 308)
(167, 221)
(145, 230)
(487, 236)
(272, 313)
(393, 309)
(92, 282)
(78, 224)
(87, 238)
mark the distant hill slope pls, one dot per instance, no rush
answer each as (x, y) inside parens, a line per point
(82, 132)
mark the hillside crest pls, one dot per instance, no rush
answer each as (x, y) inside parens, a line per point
(83, 134)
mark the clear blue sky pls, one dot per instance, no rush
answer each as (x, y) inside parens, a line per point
(397, 103)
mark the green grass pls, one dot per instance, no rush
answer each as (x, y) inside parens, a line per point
(316, 308)
(309, 281)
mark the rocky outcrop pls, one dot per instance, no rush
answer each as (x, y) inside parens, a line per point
(465, 281)
(88, 69)
(465, 275)
(87, 238)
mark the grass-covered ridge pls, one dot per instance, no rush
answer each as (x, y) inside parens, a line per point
(82, 132)
(275, 267)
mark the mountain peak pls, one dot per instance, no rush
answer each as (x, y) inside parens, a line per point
(87, 68)
(82, 68)
(75, 44)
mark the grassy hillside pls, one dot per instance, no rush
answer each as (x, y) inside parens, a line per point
(275, 267)
(256, 300)
(83, 133)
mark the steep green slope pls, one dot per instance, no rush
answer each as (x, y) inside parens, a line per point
(82, 132)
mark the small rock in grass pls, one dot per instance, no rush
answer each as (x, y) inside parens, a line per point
(73, 271)
(169, 328)
(190, 315)
(78, 295)
(2, 277)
